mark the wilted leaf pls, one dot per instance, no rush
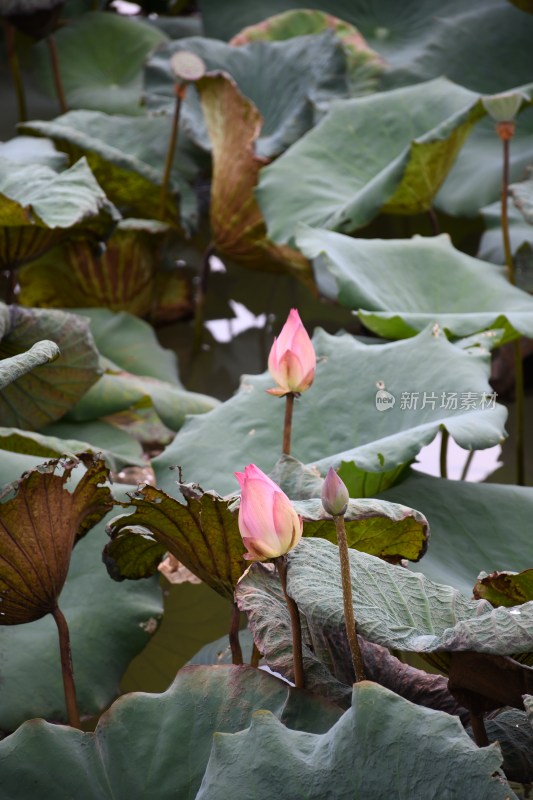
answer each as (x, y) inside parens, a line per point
(127, 156)
(109, 625)
(101, 57)
(35, 550)
(363, 64)
(248, 427)
(40, 207)
(238, 227)
(288, 82)
(505, 588)
(48, 391)
(398, 287)
(121, 278)
(351, 166)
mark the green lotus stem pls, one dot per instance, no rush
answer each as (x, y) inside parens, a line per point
(15, 71)
(296, 627)
(234, 643)
(505, 134)
(56, 72)
(478, 729)
(349, 617)
(287, 423)
(199, 301)
(445, 437)
(180, 90)
(466, 467)
(66, 667)
(256, 656)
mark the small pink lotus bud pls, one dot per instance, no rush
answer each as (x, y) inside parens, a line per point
(335, 495)
(268, 523)
(292, 359)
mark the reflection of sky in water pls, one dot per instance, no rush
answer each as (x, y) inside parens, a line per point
(223, 330)
(483, 463)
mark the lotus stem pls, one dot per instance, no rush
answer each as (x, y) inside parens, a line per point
(54, 61)
(434, 222)
(201, 294)
(444, 439)
(234, 643)
(180, 90)
(505, 132)
(66, 667)
(349, 617)
(468, 462)
(256, 656)
(478, 729)
(287, 424)
(15, 71)
(296, 626)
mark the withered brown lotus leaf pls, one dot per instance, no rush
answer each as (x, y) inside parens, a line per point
(40, 522)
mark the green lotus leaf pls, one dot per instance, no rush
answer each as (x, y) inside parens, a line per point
(109, 625)
(40, 207)
(505, 588)
(467, 521)
(40, 353)
(117, 391)
(116, 447)
(337, 762)
(121, 278)
(193, 614)
(260, 596)
(47, 392)
(491, 242)
(203, 534)
(363, 64)
(403, 610)
(288, 82)
(248, 427)
(427, 40)
(202, 698)
(131, 344)
(28, 149)
(398, 287)
(101, 57)
(350, 167)
(127, 156)
(237, 225)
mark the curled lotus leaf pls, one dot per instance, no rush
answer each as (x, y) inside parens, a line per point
(40, 207)
(238, 227)
(44, 394)
(35, 550)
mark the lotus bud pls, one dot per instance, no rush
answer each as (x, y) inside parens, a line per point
(292, 359)
(268, 523)
(335, 495)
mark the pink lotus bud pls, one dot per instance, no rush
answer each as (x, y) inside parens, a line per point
(335, 495)
(268, 523)
(292, 359)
